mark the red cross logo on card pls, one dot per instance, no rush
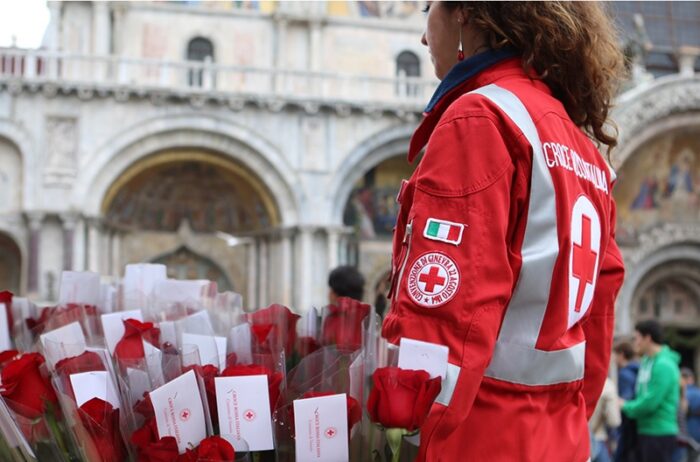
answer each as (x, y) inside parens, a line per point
(249, 415)
(185, 415)
(330, 432)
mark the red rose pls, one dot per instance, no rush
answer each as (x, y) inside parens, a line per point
(26, 390)
(215, 448)
(130, 347)
(6, 299)
(8, 355)
(37, 325)
(307, 345)
(146, 435)
(208, 374)
(86, 362)
(274, 379)
(354, 408)
(145, 407)
(402, 398)
(274, 328)
(101, 421)
(162, 450)
(342, 325)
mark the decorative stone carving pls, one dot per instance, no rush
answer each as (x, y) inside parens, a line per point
(85, 93)
(61, 150)
(660, 237)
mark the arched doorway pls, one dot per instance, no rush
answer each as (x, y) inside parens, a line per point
(174, 206)
(10, 264)
(371, 212)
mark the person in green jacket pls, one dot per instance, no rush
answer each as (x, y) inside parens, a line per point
(655, 407)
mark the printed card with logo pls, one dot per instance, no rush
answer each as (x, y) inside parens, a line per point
(417, 355)
(94, 384)
(321, 427)
(244, 411)
(113, 326)
(179, 411)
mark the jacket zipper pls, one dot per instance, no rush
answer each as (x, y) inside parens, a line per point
(406, 240)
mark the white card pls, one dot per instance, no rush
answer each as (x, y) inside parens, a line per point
(82, 287)
(168, 334)
(430, 357)
(321, 426)
(244, 411)
(94, 384)
(175, 291)
(64, 342)
(113, 326)
(154, 363)
(241, 343)
(199, 321)
(212, 350)
(139, 281)
(5, 337)
(179, 411)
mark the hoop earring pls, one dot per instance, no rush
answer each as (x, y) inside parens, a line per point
(460, 50)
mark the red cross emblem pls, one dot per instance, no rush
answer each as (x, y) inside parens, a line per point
(584, 260)
(249, 415)
(330, 432)
(185, 415)
(432, 279)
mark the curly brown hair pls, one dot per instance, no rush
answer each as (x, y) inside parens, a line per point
(572, 46)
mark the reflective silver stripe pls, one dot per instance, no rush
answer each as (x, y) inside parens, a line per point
(448, 385)
(515, 357)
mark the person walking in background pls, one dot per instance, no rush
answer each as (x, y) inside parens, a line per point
(345, 281)
(655, 406)
(605, 418)
(627, 369)
(691, 415)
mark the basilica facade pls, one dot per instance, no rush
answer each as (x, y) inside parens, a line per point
(260, 144)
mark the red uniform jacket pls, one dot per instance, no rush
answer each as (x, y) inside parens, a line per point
(504, 251)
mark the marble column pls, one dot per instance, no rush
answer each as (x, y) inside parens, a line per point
(333, 242)
(94, 244)
(35, 221)
(70, 222)
(116, 255)
(286, 278)
(304, 266)
(250, 301)
(102, 37)
(54, 37)
(263, 270)
(79, 245)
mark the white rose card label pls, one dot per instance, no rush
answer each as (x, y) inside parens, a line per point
(321, 427)
(113, 326)
(244, 411)
(94, 384)
(179, 411)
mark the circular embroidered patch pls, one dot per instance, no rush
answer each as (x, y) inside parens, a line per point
(433, 279)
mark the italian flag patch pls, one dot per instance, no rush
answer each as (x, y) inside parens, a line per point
(444, 231)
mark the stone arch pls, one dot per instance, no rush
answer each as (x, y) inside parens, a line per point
(219, 275)
(22, 140)
(650, 109)
(679, 251)
(193, 131)
(11, 264)
(369, 153)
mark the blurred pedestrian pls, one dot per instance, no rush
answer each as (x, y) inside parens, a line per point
(627, 369)
(605, 418)
(655, 406)
(345, 281)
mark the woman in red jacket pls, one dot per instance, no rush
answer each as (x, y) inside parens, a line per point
(504, 248)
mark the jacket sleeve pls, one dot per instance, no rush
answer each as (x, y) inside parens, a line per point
(661, 380)
(465, 177)
(600, 324)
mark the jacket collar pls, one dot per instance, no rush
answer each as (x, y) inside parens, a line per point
(459, 80)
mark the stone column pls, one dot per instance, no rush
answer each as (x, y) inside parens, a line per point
(54, 37)
(686, 61)
(35, 221)
(116, 268)
(279, 53)
(263, 267)
(94, 244)
(286, 267)
(70, 221)
(251, 301)
(304, 269)
(79, 246)
(102, 36)
(333, 243)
